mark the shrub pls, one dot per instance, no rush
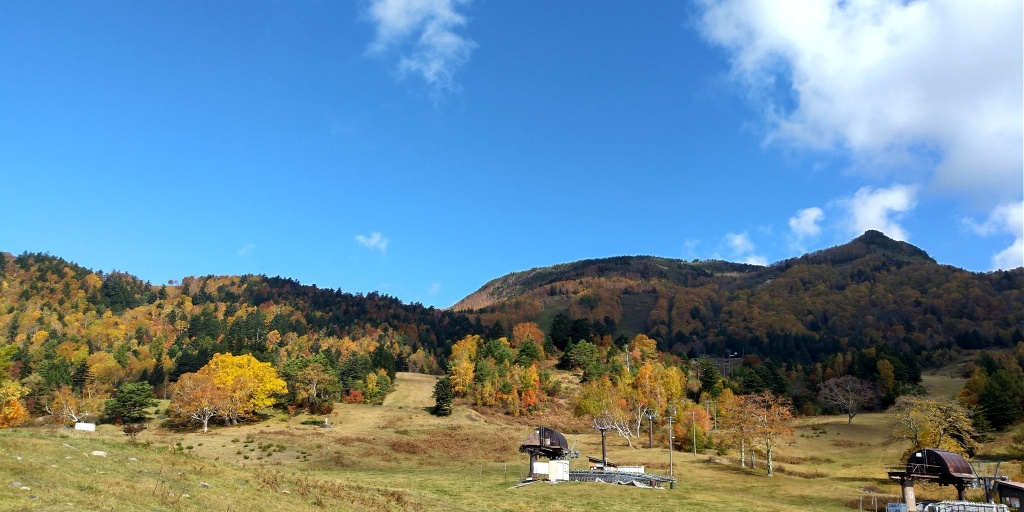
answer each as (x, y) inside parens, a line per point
(132, 430)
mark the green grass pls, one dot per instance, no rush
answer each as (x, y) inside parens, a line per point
(945, 383)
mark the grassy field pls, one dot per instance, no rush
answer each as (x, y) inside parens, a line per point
(412, 390)
(944, 383)
(399, 457)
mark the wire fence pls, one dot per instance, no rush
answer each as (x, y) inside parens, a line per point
(874, 502)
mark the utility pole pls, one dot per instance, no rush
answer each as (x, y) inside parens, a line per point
(671, 416)
(603, 423)
(714, 404)
(650, 414)
(693, 420)
(711, 407)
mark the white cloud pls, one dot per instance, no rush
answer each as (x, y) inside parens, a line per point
(1011, 257)
(690, 248)
(902, 85)
(1006, 218)
(247, 250)
(755, 259)
(739, 242)
(435, 288)
(374, 241)
(424, 33)
(880, 209)
(743, 248)
(805, 223)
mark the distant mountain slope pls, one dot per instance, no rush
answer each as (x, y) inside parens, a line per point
(633, 268)
(650, 268)
(872, 288)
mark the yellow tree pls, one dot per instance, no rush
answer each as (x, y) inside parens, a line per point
(942, 424)
(465, 348)
(461, 372)
(593, 398)
(530, 389)
(644, 347)
(648, 392)
(106, 369)
(248, 384)
(370, 391)
(461, 366)
(422, 362)
(12, 413)
(314, 385)
(673, 384)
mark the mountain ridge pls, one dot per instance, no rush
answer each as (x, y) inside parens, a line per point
(513, 284)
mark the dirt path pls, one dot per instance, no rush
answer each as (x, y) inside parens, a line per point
(412, 390)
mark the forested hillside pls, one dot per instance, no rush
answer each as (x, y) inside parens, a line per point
(871, 291)
(62, 324)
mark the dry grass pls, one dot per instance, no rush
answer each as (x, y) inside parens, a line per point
(398, 457)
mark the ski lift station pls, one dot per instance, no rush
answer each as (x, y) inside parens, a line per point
(550, 444)
(950, 469)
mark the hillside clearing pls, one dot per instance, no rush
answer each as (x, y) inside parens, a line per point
(412, 390)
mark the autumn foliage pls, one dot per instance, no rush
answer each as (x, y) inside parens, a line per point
(12, 412)
(231, 387)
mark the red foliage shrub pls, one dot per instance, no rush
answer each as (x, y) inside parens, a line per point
(354, 396)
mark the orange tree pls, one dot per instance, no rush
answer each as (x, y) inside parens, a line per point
(195, 398)
(772, 421)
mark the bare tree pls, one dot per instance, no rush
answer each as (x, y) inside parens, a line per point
(847, 393)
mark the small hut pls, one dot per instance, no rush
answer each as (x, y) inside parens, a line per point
(1011, 494)
(552, 445)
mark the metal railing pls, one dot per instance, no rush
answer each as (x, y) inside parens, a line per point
(914, 469)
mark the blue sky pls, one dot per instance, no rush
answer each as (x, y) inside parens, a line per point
(423, 147)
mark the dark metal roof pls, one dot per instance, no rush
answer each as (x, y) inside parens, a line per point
(1011, 486)
(545, 442)
(945, 468)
